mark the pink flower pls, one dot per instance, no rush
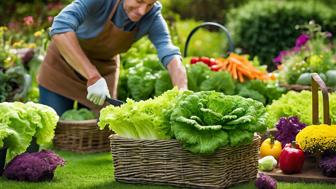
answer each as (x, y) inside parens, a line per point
(328, 34)
(50, 19)
(296, 49)
(28, 20)
(279, 58)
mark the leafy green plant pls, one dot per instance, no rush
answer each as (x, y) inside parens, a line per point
(76, 114)
(19, 122)
(141, 120)
(204, 121)
(297, 104)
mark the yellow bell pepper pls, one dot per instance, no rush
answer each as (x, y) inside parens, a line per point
(270, 147)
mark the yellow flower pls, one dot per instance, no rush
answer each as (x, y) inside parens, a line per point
(31, 45)
(317, 138)
(38, 34)
(3, 28)
(9, 61)
(18, 44)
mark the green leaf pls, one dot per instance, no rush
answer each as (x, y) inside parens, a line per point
(240, 137)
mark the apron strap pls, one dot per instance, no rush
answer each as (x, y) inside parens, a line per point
(114, 10)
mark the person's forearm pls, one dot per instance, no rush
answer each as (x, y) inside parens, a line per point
(178, 74)
(68, 45)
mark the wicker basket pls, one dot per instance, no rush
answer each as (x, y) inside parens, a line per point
(81, 136)
(165, 162)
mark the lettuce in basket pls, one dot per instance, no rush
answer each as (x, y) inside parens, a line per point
(141, 120)
(78, 115)
(205, 121)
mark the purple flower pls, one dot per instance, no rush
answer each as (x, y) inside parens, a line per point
(328, 166)
(328, 34)
(287, 129)
(301, 40)
(282, 54)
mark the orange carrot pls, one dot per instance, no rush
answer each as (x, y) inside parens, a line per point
(241, 77)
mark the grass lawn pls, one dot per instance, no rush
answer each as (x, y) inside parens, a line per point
(96, 171)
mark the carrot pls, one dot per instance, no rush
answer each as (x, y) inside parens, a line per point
(241, 77)
(234, 71)
(236, 61)
(229, 66)
(247, 72)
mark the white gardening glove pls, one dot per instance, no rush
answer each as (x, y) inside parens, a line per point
(98, 92)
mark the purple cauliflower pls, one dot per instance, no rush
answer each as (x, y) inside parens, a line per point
(49, 156)
(328, 166)
(34, 167)
(265, 182)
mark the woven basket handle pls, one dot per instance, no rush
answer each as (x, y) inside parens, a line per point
(226, 31)
(318, 82)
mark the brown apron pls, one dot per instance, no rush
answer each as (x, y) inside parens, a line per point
(58, 76)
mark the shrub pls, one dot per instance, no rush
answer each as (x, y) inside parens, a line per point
(262, 28)
(198, 9)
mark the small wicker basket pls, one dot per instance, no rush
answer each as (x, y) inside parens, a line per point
(81, 136)
(165, 162)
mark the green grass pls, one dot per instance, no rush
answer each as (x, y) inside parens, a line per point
(96, 171)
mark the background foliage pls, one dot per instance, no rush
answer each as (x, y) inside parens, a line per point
(262, 28)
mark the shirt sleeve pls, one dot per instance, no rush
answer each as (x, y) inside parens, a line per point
(73, 15)
(159, 35)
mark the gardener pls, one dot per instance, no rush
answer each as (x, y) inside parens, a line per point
(82, 61)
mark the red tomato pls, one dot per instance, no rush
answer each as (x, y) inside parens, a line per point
(194, 60)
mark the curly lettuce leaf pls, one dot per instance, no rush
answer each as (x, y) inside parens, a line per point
(141, 120)
(163, 82)
(197, 73)
(80, 114)
(220, 82)
(202, 121)
(26, 120)
(240, 137)
(45, 131)
(141, 82)
(298, 104)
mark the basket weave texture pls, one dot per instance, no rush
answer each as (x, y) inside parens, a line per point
(165, 162)
(81, 136)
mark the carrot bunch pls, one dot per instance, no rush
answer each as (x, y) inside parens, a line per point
(240, 68)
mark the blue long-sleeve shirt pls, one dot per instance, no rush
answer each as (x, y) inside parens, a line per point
(87, 18)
